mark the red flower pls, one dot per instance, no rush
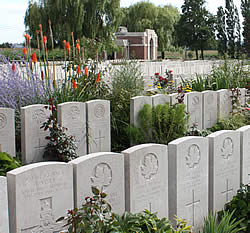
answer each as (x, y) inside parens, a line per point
(44, 41)
(161, 78)
(86, 71)
(68, 47)
(171, 71)
(156, 73)
(34, 58)
(13, 67)
(78, 70)
(25, 51)
(78, 48)
(27, 37)
(98, 78)
(74, 84)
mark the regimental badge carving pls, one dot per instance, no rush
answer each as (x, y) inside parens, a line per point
(3, 120)
(102, 176)
(227, 148)
(48, 223)
(39, 115)
(195, 100)
(99, 110)
(74, 112)
(193, 157)
(210, 99)
(149, 166)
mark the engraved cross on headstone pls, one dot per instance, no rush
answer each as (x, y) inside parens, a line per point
(100, 138)
(227, 191)
(192, 204)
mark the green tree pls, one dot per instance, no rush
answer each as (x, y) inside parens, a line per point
(245, 10)
(195, 28)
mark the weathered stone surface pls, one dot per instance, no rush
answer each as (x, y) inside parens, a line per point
(7, 130)
(98, 126)
(38, 195)
(224, 103)
(32, 136)
(160, 99)
(146, 183)
(209, 108)
(245, 154)
(224, 165)
(188, 180)
(103, 170)
(72, 115)
(4, 215)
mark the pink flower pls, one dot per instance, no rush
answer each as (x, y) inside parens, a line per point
(248, 109)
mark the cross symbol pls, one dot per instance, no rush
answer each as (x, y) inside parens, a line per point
(100, 139)
(192, 204)
(227, 191)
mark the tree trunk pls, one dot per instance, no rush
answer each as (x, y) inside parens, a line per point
(197, 54)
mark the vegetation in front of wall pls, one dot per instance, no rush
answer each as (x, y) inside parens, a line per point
(239, 208)
(8, 163)
(127, 82)
(224, 224)
(231, 74)
(96, 215)
(161, 124)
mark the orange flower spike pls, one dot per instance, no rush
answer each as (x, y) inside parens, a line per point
(98, 78)
(78, 48)
(74, 84)
(24, 51)
(13, 67)
(44, 41)
(68, 47)
(54, 84)
(34, 58)
(78, 70)
(86, 71)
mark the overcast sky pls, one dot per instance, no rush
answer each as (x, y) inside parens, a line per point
(12, 15)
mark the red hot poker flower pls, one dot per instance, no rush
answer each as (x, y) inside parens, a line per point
(78, 70)
(74, 84)
(86, 71)
(78, 48)
(13, 67)
(98, 78)
(68, 47)
(34, 58)
(44, 41)
(25, 51)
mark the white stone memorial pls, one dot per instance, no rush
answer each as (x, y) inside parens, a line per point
(103, 170)
(38, 195)
(136, 104)
(146, 179)
(7, 131)
(209, 108)
(224, 102)
(224, 168)
(4, 215)
(194, 108)
(245, 154)
(98, 126)
(188, 180)
(160, 99)
(72, 115)
(33, 140)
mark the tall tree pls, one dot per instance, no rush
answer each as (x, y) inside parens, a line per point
(196, 26)
(245, 10)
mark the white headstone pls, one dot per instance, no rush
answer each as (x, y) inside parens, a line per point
(224, 103)
(38, 195)
(98, 126)
(160, 99)
(72, 115)
(146, 179)
(174, 99)
(245, 154)
(136, 104)
(7, 130)
(242, 97)
(224, 157)
(4, 215)
(103, 170)
(194, 108)
(188, 180)
(209, 108)
(32, 136)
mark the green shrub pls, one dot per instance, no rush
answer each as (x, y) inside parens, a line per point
(8, 163)
(239, 207)
(161, 124)
(226, 224)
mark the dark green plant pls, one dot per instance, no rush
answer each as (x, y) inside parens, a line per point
(239, 208)
(61, 146)
(160, 124)
(8, 163)
(226, 224)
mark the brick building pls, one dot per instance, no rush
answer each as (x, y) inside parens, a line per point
(138, 45)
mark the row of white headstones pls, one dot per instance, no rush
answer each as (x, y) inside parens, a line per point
(89, 122)
(189, 178)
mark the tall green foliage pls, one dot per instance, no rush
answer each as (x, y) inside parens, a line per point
(195, 28)
(245, 10)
